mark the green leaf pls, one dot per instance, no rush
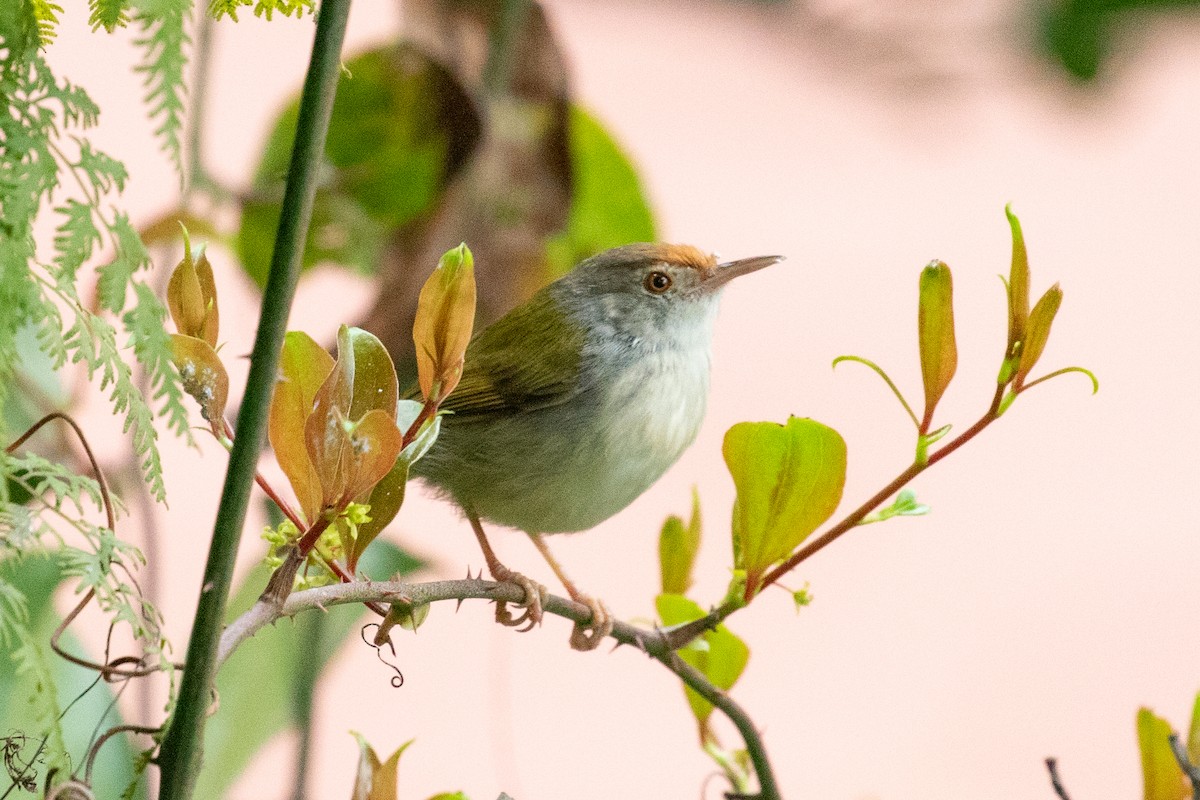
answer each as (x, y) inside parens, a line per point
(1038, 332)
(789, 479)
(303, 367)
(608, 203)
(677, 547)
(255, 684)
(1162, 779)
(935, 332)
(1018, 284)
(719, 654)
(401, 128)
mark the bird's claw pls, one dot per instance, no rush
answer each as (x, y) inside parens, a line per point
(588, 636)
(535, 597)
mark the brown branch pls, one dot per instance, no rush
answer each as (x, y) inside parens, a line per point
(650, 642)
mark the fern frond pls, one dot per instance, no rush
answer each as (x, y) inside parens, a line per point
(14, 614)
(108, 14)
(131, 256)
(56, 484)
(45, 14)
(152, 347)
(163, 39)
(262, 8)
(74, 241)
(104, 173)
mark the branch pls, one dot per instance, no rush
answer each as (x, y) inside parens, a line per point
(1055, 781)
(651, 642)
(1192, 771)
(180, 754)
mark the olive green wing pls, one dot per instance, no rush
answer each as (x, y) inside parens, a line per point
(528, 359)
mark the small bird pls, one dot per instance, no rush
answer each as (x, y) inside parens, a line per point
(575, 403)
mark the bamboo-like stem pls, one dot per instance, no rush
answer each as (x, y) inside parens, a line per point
(180, 756)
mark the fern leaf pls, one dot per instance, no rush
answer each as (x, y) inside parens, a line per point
(103, 171)
(131, 256)
(226, 8)
(152, 346)
(45, 14)
(163, 39)
(108, 14)
(75, 240)
(14, 613)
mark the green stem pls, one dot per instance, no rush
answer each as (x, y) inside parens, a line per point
(180, 756)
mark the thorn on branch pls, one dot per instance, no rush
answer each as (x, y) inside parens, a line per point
(1055, 781)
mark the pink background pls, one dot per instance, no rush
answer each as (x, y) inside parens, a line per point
(1053, 589)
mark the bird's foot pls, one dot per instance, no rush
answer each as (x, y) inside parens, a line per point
(588, 636)
(535, 597)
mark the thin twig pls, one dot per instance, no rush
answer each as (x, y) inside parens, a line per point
(1052, 768)
(1192, 771)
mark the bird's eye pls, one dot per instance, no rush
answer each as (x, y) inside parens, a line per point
(657, 282)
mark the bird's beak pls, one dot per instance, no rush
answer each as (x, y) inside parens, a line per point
(724, 273)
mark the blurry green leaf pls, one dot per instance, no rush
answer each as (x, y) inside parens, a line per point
(449, 796)
(408, 616)
(303, 367)
(935, 332)
(719, 654)
(255, 683)
(37, 578)
(1018, 284)
(445, 318)
(789, 480)
(373, 780)
(608, 204)
(677, 547)
(1162, 779)
(1193, 739)
(1038, 332)
(401, 127)
(202, 376)
(802, 598)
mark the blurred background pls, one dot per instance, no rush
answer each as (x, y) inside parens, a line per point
(1052, 590)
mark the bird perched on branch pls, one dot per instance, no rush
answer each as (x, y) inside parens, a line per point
(574, 403)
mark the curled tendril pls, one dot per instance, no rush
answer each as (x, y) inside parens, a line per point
(397, 680)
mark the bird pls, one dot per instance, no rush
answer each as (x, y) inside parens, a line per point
(574, 403)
